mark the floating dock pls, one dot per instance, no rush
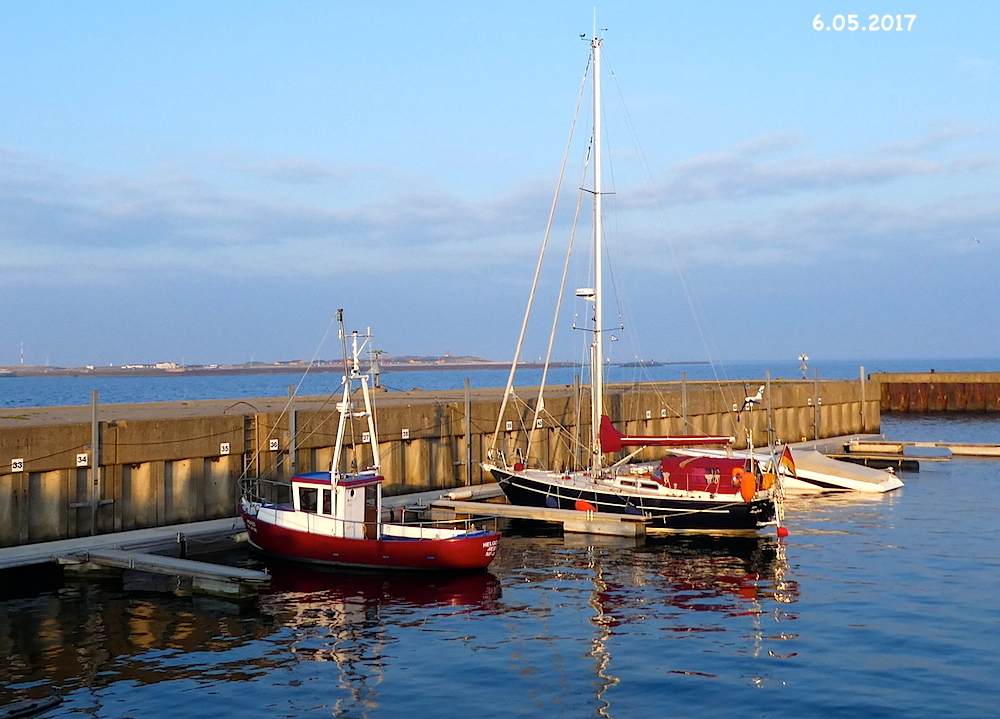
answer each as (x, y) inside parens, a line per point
(135, 551)
(581, 522)
(948, 449)
(206, 578)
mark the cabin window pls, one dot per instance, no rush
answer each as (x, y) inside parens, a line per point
(627, 483)
(646, 485)
(327, 501)
(307, 499)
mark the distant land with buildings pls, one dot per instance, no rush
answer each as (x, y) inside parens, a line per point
(386, 363)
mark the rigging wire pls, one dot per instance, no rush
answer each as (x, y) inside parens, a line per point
(284, 411)
(540, 401)
(657, 202)
(538, 268)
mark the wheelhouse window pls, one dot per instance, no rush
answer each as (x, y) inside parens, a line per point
(307, 499)
(327, 501)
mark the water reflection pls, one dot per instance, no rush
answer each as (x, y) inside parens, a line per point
(341, 617)
(291, 583)
(346, 643)
(715, 595)
(92, 633)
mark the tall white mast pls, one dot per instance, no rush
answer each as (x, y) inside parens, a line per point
(597, 355)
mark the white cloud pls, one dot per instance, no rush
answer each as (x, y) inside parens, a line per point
(764, 201)
(180, 222)
(940, 136)
(732, 175)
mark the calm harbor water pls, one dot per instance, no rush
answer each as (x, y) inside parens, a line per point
(874, 606)
(66, 391)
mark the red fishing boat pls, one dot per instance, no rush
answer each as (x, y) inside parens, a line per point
(335, 518)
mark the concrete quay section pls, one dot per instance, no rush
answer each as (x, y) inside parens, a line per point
(168, 463)
(938, 391)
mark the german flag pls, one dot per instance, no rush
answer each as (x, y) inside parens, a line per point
(787, 463)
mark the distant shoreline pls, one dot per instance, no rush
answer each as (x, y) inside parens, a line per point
(271, 369)
(326, 367)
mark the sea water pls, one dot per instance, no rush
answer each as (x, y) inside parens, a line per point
(874, 606)
(67, 391)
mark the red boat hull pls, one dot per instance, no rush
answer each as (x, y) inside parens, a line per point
(473, 551)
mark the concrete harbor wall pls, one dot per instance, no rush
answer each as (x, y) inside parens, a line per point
(939, 391)
(172, 462)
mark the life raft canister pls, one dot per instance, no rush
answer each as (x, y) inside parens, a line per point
(747, 483)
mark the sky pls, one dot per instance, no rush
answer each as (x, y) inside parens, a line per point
(207, 182)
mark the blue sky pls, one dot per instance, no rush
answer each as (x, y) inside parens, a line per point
(208, 181)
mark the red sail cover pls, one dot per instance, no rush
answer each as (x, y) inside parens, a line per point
(612, 440)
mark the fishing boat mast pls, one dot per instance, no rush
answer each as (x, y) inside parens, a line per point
(352, 374)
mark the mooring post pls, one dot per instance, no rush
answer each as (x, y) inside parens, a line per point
(292, 431)
(577, 418)
(95, 462)
(864, 424)
(468, 435)
(770, 408)
(816, 401)
(684, 402)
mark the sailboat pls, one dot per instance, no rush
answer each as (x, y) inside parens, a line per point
(335, 518)
(673, 493)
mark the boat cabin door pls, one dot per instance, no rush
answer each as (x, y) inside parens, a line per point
(351, 503)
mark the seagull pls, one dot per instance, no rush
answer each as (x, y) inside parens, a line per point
(976, 240)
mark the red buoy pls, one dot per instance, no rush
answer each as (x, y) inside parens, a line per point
(782, 531)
